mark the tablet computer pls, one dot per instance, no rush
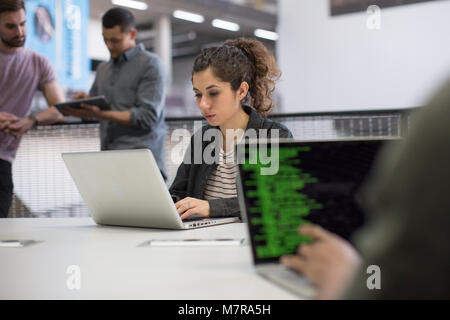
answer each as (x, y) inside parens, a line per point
(99, 101)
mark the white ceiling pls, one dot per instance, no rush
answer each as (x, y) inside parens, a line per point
(246, 16)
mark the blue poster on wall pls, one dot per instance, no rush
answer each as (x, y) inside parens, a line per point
(41, 28)
(58, 30)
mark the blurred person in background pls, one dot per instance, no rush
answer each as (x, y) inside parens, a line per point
(22, 73)
(133, 82)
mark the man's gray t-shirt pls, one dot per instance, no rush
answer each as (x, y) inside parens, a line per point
(136, 81)
(21, 73)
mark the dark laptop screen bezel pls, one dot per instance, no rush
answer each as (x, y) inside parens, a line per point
(243, 201)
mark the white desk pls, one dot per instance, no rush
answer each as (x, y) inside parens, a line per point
(112, 266)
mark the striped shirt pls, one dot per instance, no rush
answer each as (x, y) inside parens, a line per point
(221, 183)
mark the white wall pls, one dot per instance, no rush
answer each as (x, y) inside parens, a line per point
(337, 63)
(181, 87)
(97, 49)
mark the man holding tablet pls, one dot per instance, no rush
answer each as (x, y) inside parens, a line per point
(133, 83)
(23, 71)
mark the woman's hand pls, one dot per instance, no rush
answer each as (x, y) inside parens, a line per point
(189, 206)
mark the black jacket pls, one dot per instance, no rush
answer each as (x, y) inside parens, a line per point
(191, 179)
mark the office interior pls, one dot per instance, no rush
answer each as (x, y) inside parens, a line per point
(339, 78)
(344, 75)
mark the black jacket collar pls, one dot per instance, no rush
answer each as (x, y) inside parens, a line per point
(254, 122)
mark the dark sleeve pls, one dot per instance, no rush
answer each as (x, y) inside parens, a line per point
(408, 207)
(178, 189)
(180, 185)
(286, 134)
(283, 131)
(224, 208)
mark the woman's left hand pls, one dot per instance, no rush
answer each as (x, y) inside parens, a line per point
(189, 206)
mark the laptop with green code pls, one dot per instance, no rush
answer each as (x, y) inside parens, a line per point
(315, 182)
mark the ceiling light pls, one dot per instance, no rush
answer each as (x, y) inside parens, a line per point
(189, 16)
(139, 5)
(227, 25)
(265, 34)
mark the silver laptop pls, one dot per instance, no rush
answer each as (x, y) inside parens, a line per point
(315, 182)
(126, 188)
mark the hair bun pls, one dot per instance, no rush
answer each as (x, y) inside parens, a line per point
(243, 59)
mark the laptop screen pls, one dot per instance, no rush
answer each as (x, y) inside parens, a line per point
(316, 182)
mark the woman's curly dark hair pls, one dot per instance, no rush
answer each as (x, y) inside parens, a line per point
(242, 60)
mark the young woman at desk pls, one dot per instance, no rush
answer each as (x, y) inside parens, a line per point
(232, 85)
